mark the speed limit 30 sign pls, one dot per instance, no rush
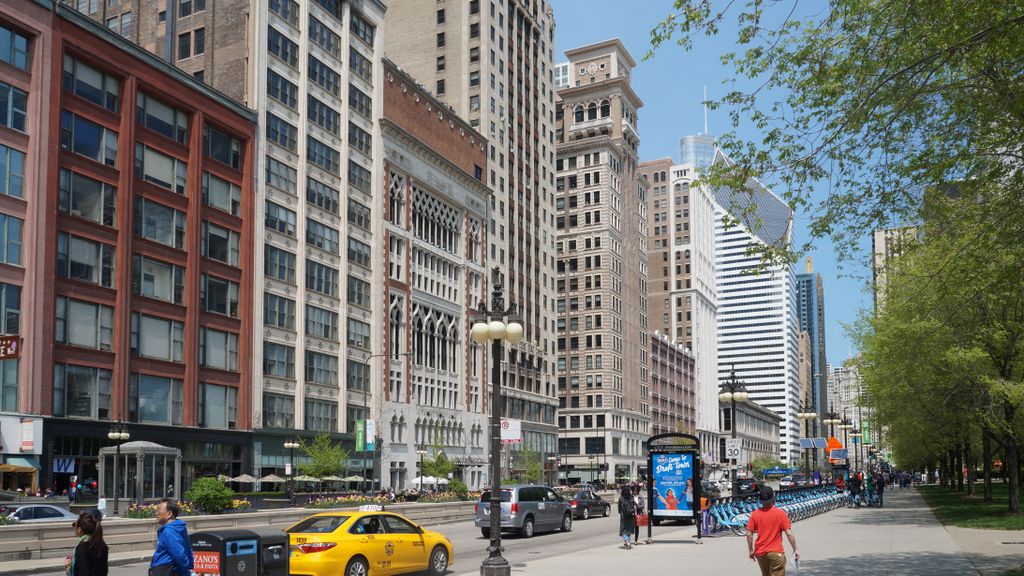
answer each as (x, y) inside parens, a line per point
(733, 448)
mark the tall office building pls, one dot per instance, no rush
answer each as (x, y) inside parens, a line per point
(492, 63)
(436, 234)
(682, 297)
(757, 311)
(673, 387)
(886, 245)
(698, 150)
(603, 349)
(562, 75)
(126, 204)
(811, 311)
(311, 69)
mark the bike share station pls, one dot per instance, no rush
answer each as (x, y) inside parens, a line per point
(674, 483)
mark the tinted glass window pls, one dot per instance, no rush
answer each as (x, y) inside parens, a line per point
(506, 496)
(398, 525)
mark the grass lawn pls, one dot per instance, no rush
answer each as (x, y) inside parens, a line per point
(952, 507)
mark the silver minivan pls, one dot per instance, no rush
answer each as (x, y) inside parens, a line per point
(526, 509)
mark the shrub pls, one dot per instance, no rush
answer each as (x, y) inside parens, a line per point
(460, 488)
(210, 495)
(6, 519)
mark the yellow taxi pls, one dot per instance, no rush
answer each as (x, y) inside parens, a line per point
(365, 543)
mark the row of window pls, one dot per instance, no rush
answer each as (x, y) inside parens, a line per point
(85, 392)
(279, 361)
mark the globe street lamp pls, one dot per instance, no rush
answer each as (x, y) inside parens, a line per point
(831, 420)
(118, 433)
(422, 452)
(806, 414)
(290, 444)
(491, 325)
(733, 391)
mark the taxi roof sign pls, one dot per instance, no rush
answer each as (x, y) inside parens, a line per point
(371, 508)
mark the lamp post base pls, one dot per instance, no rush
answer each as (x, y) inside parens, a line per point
(495, 566)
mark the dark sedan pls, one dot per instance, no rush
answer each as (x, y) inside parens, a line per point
(585, 504)
(710, 490)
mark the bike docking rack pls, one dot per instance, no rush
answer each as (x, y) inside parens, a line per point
(674, 465)
(799, 503)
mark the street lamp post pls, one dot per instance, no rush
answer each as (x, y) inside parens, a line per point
(846, 426)
(422, 452)
(807, 414)
(831, 419)
(118, 433)
(290, 444)
(856, 436)
(733, 391)
(491, 325)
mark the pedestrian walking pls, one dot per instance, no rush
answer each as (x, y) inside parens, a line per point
(641, 508)
(770, 523)
(173, 554)
(627, 517)
(90, 555)
(880, 492)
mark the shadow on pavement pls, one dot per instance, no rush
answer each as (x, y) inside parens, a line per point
(900, 564)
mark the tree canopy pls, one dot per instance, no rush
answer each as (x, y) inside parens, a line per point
(326, 457)
(862, 105)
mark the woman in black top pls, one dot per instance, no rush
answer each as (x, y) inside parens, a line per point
(90, 556)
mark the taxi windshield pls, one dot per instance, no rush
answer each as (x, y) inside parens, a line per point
(318, 525)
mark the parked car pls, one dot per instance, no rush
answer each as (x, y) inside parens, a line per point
(801, 480)
(786, 482)
(527, 509)
(747, 487)
(332, 543)
(585, 504)
(710, 490)
(37, 513)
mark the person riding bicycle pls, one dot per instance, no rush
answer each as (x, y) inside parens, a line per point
(854, 485)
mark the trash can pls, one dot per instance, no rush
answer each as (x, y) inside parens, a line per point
(273, 551)
(225, 553)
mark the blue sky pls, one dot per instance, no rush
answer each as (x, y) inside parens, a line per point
(671, 85)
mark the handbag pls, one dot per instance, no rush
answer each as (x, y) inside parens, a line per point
(642, 519)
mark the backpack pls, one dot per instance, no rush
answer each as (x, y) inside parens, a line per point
(628, 506)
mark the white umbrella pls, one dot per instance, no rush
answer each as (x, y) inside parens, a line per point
(244, 479)
(271, 478)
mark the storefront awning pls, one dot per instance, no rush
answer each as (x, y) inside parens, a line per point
(23, 462)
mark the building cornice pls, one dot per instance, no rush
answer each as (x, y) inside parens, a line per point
(604, 86)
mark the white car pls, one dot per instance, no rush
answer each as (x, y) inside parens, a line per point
(36, 513)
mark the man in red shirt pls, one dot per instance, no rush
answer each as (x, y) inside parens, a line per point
(770, 522)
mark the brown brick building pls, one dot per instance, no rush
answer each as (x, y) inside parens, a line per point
(130, 242)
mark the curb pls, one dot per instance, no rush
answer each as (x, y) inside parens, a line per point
(42, 568)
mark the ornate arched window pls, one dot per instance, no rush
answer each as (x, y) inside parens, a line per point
(578, 113)
(592, 111)
(606, 109)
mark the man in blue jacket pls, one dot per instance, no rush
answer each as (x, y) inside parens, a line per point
(173, 554)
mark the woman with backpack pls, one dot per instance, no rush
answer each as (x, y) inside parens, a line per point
(627, 517)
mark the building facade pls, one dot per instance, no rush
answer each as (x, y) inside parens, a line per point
(682, 292)
(811, 312)
(492, 63)
(757, 312)
(886, 245)
(673, 387)
(129, 232)
(758, 428)
(436, 234)
(603, 349)
(311, 70)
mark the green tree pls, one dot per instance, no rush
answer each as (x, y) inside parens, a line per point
(210, 495)
(326, 457)
(761, 462)
(438, 465)
(859, 106)
(533, 467)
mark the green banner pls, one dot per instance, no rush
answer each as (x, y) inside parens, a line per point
(360, 436)
(867, 432)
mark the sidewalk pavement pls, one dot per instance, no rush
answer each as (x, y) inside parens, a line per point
(45, 565)
(902, 539)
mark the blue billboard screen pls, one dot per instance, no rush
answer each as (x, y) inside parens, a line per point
(672, 476)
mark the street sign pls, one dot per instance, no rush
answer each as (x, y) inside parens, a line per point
(511, 431)
(777, 471)
(733, 448)
(838, 454)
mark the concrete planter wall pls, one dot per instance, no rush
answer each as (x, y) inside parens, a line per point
(56, 540)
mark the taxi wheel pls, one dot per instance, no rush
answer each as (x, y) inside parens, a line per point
(438, 561)
(527, 529)
(357, 567)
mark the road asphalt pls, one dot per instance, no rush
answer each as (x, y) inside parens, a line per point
(902, 539)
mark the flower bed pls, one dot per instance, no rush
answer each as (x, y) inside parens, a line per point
(149, 510)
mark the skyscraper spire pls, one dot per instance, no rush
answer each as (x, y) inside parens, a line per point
(705, 103)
